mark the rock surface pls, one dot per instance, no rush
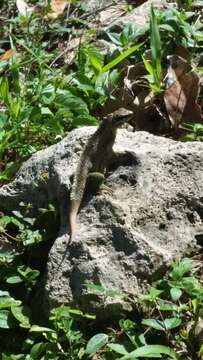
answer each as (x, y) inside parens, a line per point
(124, 240)
(117, 13)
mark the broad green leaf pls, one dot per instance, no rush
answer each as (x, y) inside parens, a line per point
(48, 94)
(96, 343)
(180, 269)
(172, 323)
(151, 351)
(46, 111)
(10, 170)
(6, 321)
(85, 119)
(14, 279)
(153, 294)
(38, 350)
(95, 287)
(82, 82)
(121, 57)
(166, 27)
(21, 314)
(16, 357)
(68, 101)
(115, 38)
(168, 307)
(95, 57)
(175, 293)
(120, 349)
(155, 324)
(6, 301)
(40, 329)
(169, 323)
(5, 220)
(198, 69)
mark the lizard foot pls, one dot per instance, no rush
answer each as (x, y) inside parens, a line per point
(104, 190)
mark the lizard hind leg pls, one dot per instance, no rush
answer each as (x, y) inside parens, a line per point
(95, 181)
(95, 184)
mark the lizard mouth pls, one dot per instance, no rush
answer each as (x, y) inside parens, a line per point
(122, 120)
(121, 116)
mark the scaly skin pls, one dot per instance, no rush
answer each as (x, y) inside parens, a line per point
(94, 159)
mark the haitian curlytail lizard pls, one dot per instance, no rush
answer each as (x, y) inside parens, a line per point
(93, 163)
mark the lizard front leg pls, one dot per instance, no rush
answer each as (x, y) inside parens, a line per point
(95, 184)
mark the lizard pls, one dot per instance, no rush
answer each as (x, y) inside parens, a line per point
(93, 163)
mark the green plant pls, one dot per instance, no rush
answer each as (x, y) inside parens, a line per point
(185, 3)
(154, 67)
(195, 132)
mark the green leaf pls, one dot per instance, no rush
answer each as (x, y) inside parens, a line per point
(21, 314)
(121, 57)
(6, 321)
(148, 66)
(168, 307)
(153, 294)
(115, 38)
(68, 101)
(85, 119)
(14, 279)
(97, 288)
(37, 350)
(155, 44)
(46, 111)
(198, 69)
(96, 343)
(6, 301)
(155, 324)
(10, 170)
(166, 27)
(40, 329)
(175, 293)
(4, 89)
(6, 220)
(95, 57)
(3, 119)
(48, 94)
(168, 323)
(151, 351)
(180, 269)
(118, 348)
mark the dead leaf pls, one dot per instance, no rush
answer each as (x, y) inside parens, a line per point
(7, 55)
(39, 8)
(23, 7)
(57, 9)
(182, 89)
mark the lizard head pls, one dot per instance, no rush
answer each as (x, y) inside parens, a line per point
(119, 117)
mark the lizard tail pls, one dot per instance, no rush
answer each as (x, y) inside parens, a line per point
(74, 207)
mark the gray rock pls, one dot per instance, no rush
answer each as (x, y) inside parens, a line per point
(125, 240)
(116, 15)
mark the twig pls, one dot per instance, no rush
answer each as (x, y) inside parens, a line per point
(62, 53)
(68, 10)
(96, 11)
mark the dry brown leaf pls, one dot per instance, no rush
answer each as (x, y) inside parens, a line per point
(182, 91)
(7, 55)
(57, 9)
